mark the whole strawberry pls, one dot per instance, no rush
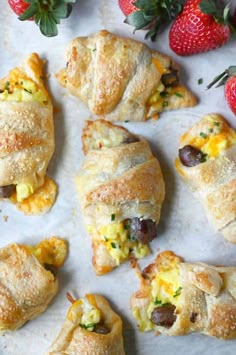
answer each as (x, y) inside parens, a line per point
(203, 25)
(151, 15)
(228, 79)
(46, 13)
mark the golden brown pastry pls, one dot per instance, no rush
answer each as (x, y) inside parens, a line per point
(122, 79)
(91, 327)
(28, 280)
(121, 190)
(26, 138)
(207, 161)
(177, 298)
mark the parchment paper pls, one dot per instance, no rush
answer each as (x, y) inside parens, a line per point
(183, 227)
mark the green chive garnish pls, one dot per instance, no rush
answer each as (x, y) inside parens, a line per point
(165, 103)
(113, 217)
(178, 292)
(178, 94)
(163, 94)
(113, 245)
(211, 130)
(216, 123)
(157, 301)
(200, 81)
(203, 135)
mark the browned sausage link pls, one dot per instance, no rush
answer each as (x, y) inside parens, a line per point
(144, 230)
(131, 139)
(164, 316)
(190, 156)
(7, 191)
(100, 329)
(170, 79)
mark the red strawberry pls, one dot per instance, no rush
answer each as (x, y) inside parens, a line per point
(47, 14)
(151, 15)
(228, 79)
(200, 27)
(127, 6)
(19, 6)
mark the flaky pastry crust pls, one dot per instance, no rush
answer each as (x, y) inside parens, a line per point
(119, 177)
(116, 77)
(207, 300)
(75, 340)
(214, 181)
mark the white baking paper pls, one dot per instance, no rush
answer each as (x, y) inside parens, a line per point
(183, 227)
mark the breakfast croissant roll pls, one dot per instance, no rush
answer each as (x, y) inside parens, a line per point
(121, 190)
(91, 327)
(26, 138)
(122, 79)
(177, 298)
(207, 161)
(28, 280)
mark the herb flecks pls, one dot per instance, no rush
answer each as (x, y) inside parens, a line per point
(203, 135)
(157, 301)
(113, 217)
(178, 292)
(216, 123)
(211, 130)
(165, 103)
(200, 81)
(178, 94)
(86, 326)
(113, 245)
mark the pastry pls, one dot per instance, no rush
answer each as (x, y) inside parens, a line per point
(207, 161)
(91, 327)
(28, 280)
(121, 190)
(177, 298)
(122, 79)
(26, 138)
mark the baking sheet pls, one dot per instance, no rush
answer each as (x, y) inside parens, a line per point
(183, 227)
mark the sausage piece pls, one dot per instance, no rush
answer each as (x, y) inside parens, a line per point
(164, 316)
(190, 156)
(144, 230)
(101, 329)
(7, 191)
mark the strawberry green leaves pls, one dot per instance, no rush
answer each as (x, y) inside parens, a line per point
(153, 15)
(47, 14)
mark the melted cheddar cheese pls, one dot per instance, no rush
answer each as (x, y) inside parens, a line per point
(84, 312)
(216, 137)
(18, 87)
(51, 251)
(117, 240)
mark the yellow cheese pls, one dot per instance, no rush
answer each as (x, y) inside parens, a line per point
(51, 251)
(116, 238)
(84, 313)
(23, 191)
(217, 138)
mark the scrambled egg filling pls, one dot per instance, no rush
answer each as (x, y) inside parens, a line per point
(116, 238)
(23, 191)
(18, 87)
(85, 313)
(51, 251)
(217, 137)
(165, 289)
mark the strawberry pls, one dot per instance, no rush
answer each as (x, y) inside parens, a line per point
(46, 13)
(19, 6)
(228, 79)
(151, 15)
(200, 27)
(127, 6)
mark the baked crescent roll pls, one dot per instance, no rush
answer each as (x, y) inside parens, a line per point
(28, 280)
(122, 79)
(26, 138)
(121, 190)
(177, 298)
(207, 161)
(91, 327)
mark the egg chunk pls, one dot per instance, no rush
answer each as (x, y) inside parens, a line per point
(85, 313)
(117, 240)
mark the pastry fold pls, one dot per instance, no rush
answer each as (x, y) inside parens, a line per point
(121, 190)
(103, 338)
(177, 298)
(28, 280)
(214, 178)
(27, 137)
(122, 79)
